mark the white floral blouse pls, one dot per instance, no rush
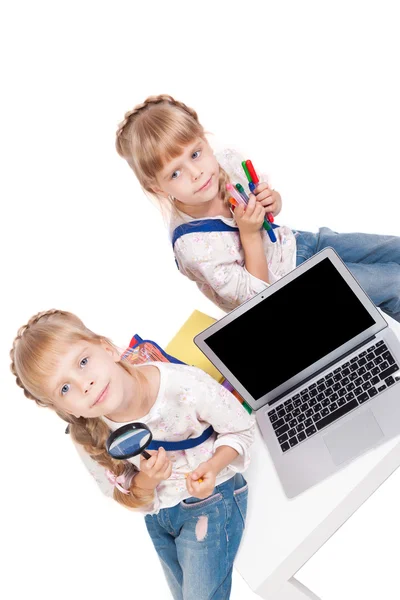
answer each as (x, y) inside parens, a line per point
(188, 402)
(215, 260)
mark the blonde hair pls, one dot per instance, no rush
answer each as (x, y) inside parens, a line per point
(36, 349)
(155, 132)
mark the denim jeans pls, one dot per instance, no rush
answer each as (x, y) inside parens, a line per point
(197, 541)
(374, 260)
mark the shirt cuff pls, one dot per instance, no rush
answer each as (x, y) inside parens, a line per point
(258, 285)
(273, 277)
(242, 461)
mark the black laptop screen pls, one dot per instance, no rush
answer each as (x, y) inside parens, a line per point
(302, 322)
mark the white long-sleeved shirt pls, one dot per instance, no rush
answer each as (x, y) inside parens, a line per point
(188, 401)
(215, 260)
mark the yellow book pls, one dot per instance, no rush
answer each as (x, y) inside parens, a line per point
(183, 347)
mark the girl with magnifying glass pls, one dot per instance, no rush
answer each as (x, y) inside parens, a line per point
(194, 500)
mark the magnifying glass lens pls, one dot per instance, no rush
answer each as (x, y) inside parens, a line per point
(130, 442)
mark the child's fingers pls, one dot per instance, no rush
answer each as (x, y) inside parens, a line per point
(168, 470)
(239, 211)
(189, 485)
(268, 203)
(258, 209)
(264, 195)
(259, 214)
(197, 482)
(251, 205)
(261, 187)
(148, 464)
(201, 490)
(195, 488)
(161, 460)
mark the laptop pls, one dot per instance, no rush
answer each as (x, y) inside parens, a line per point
(319, 365)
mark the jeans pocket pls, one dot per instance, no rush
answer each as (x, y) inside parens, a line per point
(193, 503)
(241, 496)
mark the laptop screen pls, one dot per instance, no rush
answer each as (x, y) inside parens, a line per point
(291, 329)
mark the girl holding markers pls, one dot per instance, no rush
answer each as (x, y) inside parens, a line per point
(229, 254)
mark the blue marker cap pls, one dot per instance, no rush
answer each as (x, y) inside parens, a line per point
(252, 186)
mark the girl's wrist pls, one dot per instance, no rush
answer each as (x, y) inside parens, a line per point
(250, 238)
(145, 483)
(222, 457)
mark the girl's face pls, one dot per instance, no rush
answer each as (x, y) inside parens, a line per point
(87, 381)
(192, 177)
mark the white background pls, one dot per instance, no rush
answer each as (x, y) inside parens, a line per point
(310, 91)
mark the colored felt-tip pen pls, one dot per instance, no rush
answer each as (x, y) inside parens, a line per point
(237, 199)
(246, 171)
(241, 191)
(252, 172)
(233, 201)
(270, 231)
(253, 184)
(235, 194)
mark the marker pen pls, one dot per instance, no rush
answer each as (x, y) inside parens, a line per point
(235, 194)
(254, 182)
(246, 171)
(241, 191)
(237, 199)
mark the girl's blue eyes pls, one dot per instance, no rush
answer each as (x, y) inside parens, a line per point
(66, 387)
(195, 155)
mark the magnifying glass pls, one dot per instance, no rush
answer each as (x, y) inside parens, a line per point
(128, 441)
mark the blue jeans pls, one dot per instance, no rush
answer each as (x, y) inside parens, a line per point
(197, 541)
(374, 260)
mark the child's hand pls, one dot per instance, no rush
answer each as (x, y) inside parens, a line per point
(156, 469)
(269, 199)
(249, 218)
(207, 476)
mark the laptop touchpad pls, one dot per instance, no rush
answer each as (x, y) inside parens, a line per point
(353, 437)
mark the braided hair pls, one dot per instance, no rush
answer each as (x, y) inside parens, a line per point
(155, 132)
(33, 354)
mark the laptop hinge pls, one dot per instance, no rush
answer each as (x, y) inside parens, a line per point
(334, 362)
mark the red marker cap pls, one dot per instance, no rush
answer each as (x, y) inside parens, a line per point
(252, 172)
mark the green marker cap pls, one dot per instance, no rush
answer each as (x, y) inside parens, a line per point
(245, 169)
(247, 407)
(267, 226)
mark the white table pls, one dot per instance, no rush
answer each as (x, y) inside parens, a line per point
(281, 535)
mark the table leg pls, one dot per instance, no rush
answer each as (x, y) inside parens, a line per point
(292, 589)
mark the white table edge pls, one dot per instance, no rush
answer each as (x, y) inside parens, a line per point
(281, 584)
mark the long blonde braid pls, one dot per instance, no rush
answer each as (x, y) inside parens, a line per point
(144, 171)
(89, 433)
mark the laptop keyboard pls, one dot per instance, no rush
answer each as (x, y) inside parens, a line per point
(334, 395)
